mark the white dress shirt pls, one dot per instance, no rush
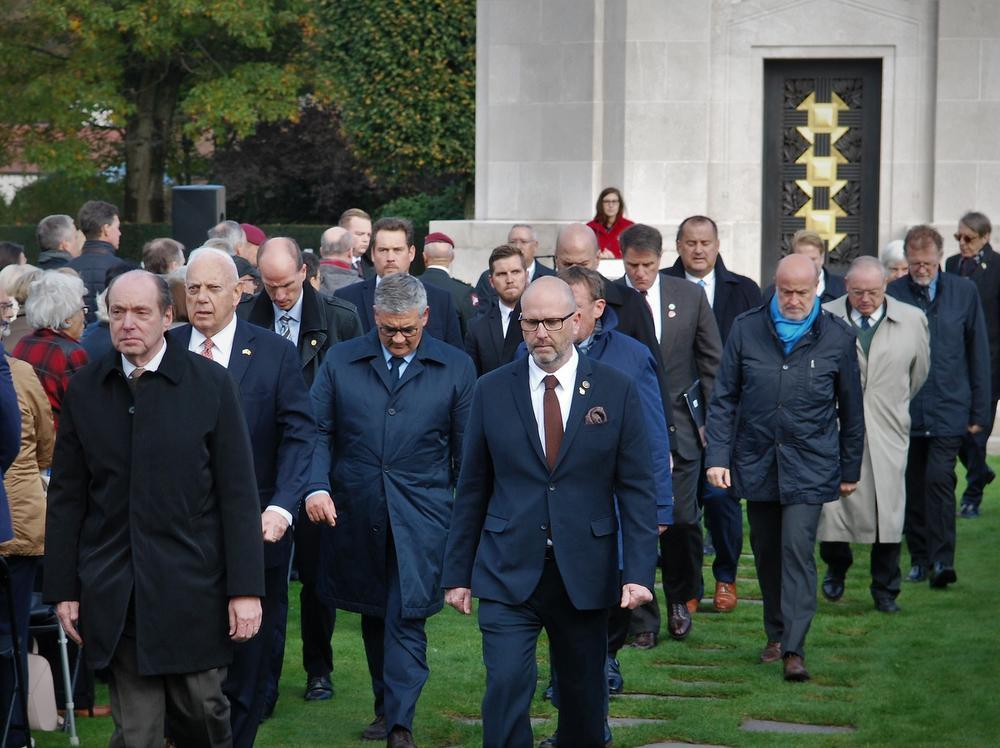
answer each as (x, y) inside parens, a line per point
(566, 374)
(505, 313)
(222, 343)
(154, 363)
(293, 324)
(821, 286)
(707, 283)
(872, 318)
(222, 351)
(652, 297)
(530, 271)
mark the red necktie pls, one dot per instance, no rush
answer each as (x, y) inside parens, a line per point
(553, 421)
(206, 349)
(645, 298)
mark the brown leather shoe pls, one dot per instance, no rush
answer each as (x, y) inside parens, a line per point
(770, 653)
(795, 668)
(644, 640)
(679, 622)
(692, 606)
(400, 737)
(725, 597)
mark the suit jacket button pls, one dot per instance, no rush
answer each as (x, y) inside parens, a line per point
(544, 527)
(391, 411)
(784, 367)
(385, 468)
(672, 428)
(375, 530)
(552, 486)
(131, 410)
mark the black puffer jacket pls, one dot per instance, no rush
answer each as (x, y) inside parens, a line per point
(789, 428)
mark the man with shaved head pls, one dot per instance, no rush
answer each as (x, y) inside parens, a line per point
(335, 268)
(278, 414)
(789, 376)
(553, 439)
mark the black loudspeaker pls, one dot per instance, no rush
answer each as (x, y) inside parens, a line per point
(196, 209)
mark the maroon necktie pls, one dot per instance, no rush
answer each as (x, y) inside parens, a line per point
(967, 267)
(553, 421)
(645, 298)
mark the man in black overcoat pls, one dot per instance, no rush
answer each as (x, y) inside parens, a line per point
(153, 535)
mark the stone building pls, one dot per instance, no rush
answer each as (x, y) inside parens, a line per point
(855, 117)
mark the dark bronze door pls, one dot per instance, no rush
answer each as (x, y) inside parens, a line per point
(822, 122)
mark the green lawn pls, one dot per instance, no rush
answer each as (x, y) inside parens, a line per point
(924, 677)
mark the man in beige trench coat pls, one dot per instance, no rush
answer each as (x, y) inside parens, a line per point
(894, 354)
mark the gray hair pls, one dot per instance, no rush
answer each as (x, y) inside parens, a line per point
(534, 234)
(867, 262)
(337, 248)
(54, 230)
(400, 293)
(892, 253)
(222, 245)
(54, 298)
(226, 260)
(230, 232)
(11, 274)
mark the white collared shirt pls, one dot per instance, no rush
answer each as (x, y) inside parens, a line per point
(652, 297)
(505, 314)
(530, 271)
(294, 323)
(154, 363)
(707, 283)
(222, 342)
(566, 374)
(821, 286)
(872, 318)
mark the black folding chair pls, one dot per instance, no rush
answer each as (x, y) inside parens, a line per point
(14, 649)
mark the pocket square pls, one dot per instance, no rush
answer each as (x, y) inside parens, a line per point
(595, 416)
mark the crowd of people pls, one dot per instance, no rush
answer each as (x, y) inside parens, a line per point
(177, 439)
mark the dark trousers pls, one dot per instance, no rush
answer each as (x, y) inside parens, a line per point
(724, 520)
(783, 538)
(277, 656)
(22, 571)
(247, 679)
(317, 619)
(579, 640)
(886, 576)
(973, 455)
(929, 524)
(141, 704)
(373, 636)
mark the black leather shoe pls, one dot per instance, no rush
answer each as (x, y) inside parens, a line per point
(400, 737)
(968, 510)
(918, 573)
(679, 622)
(644, 640)
(941, 576)
(319, 688)
(886, 605)
(616, 684)
(833, 588)
(376, 730)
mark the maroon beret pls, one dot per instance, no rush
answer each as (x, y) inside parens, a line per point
(438, 236)
(254, 234)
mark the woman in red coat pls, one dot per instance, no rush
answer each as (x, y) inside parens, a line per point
(609, 222)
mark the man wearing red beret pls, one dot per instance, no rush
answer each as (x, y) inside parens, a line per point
(255, 237)
(439, 253)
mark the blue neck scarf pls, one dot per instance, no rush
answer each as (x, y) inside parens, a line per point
(789, 331)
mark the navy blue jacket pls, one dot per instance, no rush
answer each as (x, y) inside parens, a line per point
(10, 440)
(508, 501)
(92, 265)
(275, 400)
(485, 342)
(773, 419)
(390, 456)
(986, 276)
(958, 387)
(734, 294)
(441, 324)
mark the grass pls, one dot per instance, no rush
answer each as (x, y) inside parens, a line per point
(924, 677)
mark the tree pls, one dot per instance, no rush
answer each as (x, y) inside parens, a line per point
(91, 84)
(403, 73)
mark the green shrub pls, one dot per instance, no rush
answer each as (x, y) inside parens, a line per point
(423, 208)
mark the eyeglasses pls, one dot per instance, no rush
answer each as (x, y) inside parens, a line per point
(552, 325)
(965, 238)
(610, 201)
(390, 332)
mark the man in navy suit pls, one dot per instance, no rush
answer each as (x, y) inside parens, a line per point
(551, 441)
(523, 237)
(729, 295)
(392, 252)
(275, 400)
(494, 336)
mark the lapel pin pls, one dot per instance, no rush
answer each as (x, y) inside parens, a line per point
(671, 306)
(585, 384)
(582, 391)
(312, 342)
(671, 314)
(984, 265)
(246, 351)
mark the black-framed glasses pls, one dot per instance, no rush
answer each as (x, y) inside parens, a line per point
(390, 332)
(552, 325)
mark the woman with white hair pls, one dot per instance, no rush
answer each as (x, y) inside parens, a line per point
(15, 280)
(893, 257)
(56, 314)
